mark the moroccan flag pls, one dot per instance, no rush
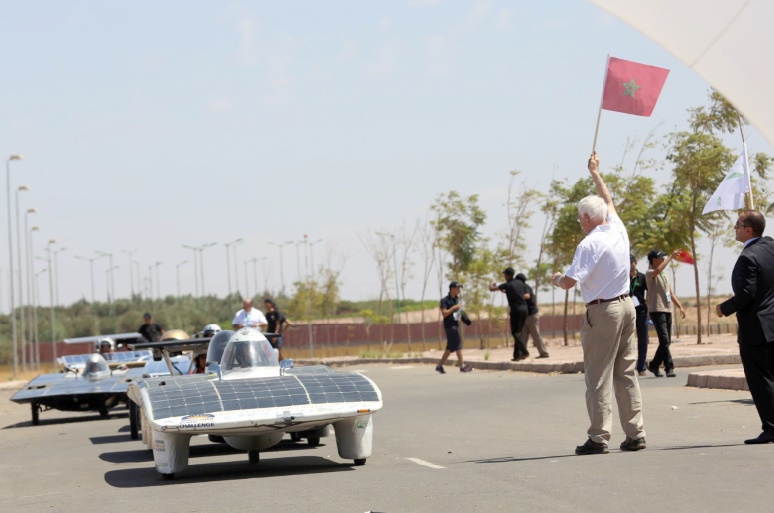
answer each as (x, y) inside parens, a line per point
(685, 257)
(631, 87)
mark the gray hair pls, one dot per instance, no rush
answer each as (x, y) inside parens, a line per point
(594, 206)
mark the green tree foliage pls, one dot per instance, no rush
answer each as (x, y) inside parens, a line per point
(458, 221)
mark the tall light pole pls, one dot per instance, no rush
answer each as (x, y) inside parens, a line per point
(228, 263)
(51, 299)
(158, 280)
(195, 269)
(10, 263)
(35, 306)
(27, 277)
(282, 268)
(236, 267)
(56, 274)
(311, 252)
(35, 302)
(91, 272)
(177, 273)
(109, 276)
(201, 262)
(131, 270)
(109, 273)
(22, 340)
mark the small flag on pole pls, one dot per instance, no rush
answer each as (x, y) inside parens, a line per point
(685, 257)
(631, 87)
(730, 193)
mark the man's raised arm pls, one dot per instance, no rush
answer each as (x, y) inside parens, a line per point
(601, 187)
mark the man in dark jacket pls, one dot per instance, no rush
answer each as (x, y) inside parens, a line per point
(516, 293)
(753, 303)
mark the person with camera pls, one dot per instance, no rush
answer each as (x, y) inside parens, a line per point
(451, 310)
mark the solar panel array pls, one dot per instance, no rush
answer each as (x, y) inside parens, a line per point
(179, 399)
(122, 356)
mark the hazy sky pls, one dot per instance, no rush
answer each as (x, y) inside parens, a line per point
(150, 125)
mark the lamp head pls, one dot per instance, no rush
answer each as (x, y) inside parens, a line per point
(15, 157)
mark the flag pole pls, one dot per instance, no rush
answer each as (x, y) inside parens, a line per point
(599, 114)
(748, 198)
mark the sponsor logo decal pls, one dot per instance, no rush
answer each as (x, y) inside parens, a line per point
(205, 420)
(158, 446)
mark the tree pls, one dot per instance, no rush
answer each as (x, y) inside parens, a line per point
(458, 221)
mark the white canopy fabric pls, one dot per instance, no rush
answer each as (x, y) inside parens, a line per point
(729, 43)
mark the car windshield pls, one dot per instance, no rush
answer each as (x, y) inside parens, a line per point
(95, 364)
(248, 354)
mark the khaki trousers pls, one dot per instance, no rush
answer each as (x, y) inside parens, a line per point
(532, 327)
(609, 360)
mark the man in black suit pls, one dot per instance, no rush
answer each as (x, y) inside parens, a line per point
(753, 303)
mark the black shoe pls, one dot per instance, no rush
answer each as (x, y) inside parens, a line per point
(633, 445)
(542, 356)
(466, 368)
(642, 373)
(591, 447)
(439, 368)
(763, 438)
(671, 374)
(654, 371)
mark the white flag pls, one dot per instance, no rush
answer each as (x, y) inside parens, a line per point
(730, 193)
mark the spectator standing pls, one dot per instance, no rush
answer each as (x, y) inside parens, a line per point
(532, 324)
(451, 306)
(516, 293)
(249, 317)
(277, 322)
(601, 266)
(753, 303)
(660, 299)
(637, 288)
(149, 330)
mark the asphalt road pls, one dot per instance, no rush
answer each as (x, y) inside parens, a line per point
(483, 441)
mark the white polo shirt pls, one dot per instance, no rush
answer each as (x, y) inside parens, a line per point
(254, 318)
(601, 262)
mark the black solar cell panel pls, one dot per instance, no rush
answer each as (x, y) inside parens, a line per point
(195, 398)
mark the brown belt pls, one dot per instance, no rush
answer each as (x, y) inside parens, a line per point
(600, 301)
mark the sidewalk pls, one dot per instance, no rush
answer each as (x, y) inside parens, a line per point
(717, 350)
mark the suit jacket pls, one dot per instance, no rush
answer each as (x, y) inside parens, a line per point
(753, 301)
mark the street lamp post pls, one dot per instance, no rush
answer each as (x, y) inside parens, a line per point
(35, 353)
(228, 263)
(10, 263)
(131, 270)
(27, 277)
(158, 280)
(91, 273)
(201, 262)
(177, 273)
(56, 274)
(22, 339)
(35, 306)
(236, 267)
(282, 268)
(111, 301)
(51, 300)
(195, 269)
(109, 276)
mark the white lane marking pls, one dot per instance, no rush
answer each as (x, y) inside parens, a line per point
(359, 371)
(402, 367)
(425, 463)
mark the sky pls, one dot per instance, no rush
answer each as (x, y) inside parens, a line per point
(148, 127)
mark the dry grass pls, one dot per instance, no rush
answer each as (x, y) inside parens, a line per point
(6, 372)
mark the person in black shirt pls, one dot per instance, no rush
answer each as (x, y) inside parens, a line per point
(150, 331)
(637, 288)
(276, 322)
(516, 293)
(532, 324)
(451, 309)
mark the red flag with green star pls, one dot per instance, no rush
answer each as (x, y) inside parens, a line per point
(631, 87)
